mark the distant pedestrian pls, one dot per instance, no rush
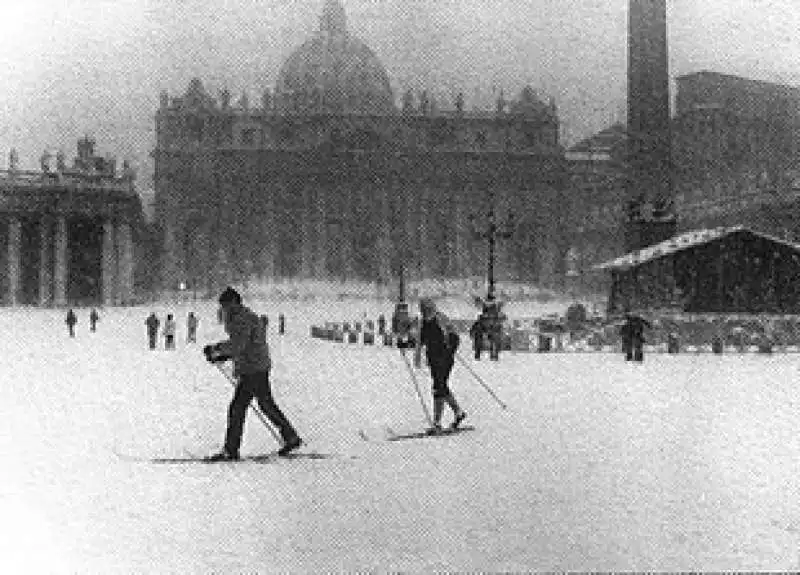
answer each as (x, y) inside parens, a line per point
(169, 332)
(152, 324)
(476, 334)
(632, 335)
(281, 324)
(264, 324)
(381, 324)
(191, 328)
(71, 320)
(93, 317)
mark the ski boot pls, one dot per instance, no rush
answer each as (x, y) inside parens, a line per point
(457, 421)
(290, 446)
(223, 455)
(435, 430)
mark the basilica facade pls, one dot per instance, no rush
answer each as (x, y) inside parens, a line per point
(331, 176)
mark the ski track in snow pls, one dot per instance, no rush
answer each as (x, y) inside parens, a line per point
(683, 463)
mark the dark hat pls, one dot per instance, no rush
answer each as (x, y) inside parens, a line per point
(230, 295)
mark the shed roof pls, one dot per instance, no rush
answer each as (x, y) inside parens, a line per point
(682, 242)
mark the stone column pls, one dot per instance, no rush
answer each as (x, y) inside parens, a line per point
(423, 226)
(14, 237)
(109, 263)
(124, 253)
(267, 255)
(307, 228)
(547, 265)
(460, 242)
(321, 258)
(169, 279)
(384, 232)
(345, 238)
(409, 248)
(60, 268)
(45, 261)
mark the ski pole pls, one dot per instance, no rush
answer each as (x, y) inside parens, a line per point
(416, 386)
(480, 380)
(257, 411)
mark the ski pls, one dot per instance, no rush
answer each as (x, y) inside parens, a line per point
(446, 431)
(271, 457)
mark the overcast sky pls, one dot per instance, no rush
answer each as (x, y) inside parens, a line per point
(69, 67)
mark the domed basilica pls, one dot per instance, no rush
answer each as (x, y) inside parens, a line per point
(333, 177)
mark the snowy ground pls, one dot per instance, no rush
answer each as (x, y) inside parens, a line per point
(687, 462)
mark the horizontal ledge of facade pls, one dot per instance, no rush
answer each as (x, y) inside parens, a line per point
(399, 114)
(188, 150)
(65, 185)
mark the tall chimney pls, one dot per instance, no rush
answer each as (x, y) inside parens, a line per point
(650, 213)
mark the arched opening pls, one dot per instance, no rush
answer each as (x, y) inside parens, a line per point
(85, 272)
(29, 258)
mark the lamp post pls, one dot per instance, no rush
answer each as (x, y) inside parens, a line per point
(491, 317)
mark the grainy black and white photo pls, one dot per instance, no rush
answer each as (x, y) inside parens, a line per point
(313, 286)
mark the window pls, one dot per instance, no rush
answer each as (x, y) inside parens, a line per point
(249, 137)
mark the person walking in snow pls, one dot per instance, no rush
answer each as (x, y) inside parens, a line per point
(93, 317)
(440, 341)
(632, 335)
(247, 347)
(191, 328)
(281, 324)
(71, 320)
(476, 335)
(169, 332)
(152, 324)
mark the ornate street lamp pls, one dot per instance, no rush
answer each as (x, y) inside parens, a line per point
(491, 317)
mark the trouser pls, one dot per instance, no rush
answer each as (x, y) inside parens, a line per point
(254, 385)
(151, 338)
(440, 372)
(191, 336)
(494, 346)
(634, 351)
(71, 331)
(477, 346)
(169, 341)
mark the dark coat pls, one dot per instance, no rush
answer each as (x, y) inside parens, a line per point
(247, 344)
(632, 331)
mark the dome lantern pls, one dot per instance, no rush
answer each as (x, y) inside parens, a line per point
(333, 21)
(333, 73)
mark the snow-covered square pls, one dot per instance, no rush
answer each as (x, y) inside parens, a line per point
(686, 462)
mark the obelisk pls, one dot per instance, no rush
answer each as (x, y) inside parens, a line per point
(650, 216)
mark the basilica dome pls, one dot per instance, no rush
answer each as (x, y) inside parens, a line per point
(333, 73)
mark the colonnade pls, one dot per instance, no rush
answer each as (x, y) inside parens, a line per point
(117, 265)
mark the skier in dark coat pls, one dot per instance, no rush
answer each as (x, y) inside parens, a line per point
(152, 324)
(248, 349)
(71, 320)
(93, 317)
(632, 334)
(440, 340)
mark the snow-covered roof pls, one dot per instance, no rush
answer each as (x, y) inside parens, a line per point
(681, 242)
